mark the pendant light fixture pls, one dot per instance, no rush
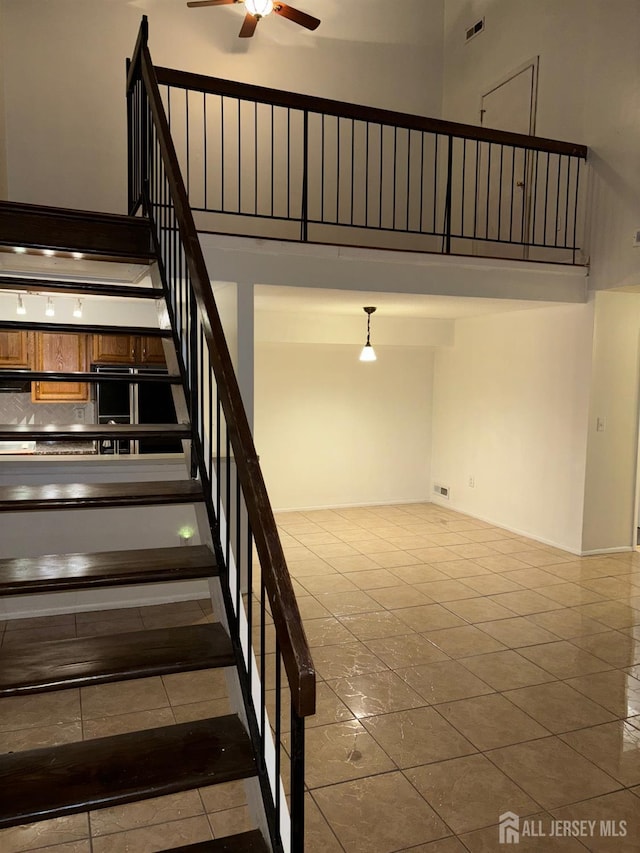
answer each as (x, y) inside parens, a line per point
(20, 309)
(50, 311)
(77, 311)
(368, 353)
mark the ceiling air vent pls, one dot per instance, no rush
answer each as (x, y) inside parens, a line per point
(478, 27)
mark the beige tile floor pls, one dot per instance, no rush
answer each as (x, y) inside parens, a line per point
(463, 671)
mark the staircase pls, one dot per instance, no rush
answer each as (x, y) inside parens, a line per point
(40, 784)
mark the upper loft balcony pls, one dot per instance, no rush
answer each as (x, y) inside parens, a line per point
(265, 163)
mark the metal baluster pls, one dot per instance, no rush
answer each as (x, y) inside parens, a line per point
(395, 174)
(408, 177)
(304, 231)
(353, 166)
(575, 212)
(448, 196)
(255, 157)
(423, 137)
(380, 197)
(186, 137)
(204, 146)
(500, 195)
(222, 153)
(337, 170)
(239, 159)
(297, 782)
(366, 176)
(464, 181)
(566, 202)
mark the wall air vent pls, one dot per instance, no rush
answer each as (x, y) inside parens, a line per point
(443, 491)
(478, 27)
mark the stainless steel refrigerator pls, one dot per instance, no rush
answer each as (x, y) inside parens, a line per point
(136, 402)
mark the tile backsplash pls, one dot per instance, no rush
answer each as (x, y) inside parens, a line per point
(19, 409)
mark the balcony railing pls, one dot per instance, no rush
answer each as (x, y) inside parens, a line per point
(267, 163)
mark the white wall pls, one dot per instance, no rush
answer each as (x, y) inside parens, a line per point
(611, 459)
(588, 92)
(510, 410)
(64, 75)
(333, 431)
(3, 144)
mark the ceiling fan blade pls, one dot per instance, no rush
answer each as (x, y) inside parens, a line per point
(193, 3)
(296, 16)
(248, 26)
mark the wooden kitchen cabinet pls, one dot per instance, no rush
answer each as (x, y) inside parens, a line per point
(113, 349)
(62, 353)
(14, 349)
(127, 349)
(151, 350)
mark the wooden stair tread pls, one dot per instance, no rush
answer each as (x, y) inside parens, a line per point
(95, 495)
(81, 376)
(99, 235)
(59, 572)
(83, 328)
(79, 288)
(72, 432)
(45, 783)
(77, 662)
(244, 842)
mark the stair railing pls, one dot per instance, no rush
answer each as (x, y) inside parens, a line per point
(267, 163)
(265, 623)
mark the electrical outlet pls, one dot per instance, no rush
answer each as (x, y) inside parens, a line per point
(472, 482)
(79, 413)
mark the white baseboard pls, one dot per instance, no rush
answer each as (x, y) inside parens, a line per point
(595, 551)
(390, 502)
(447, 504)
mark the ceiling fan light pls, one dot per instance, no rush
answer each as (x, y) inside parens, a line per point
(259, 8)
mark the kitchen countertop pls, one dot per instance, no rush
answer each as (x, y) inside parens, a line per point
(65, 448)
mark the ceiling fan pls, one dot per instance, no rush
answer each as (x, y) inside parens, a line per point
(258, 9)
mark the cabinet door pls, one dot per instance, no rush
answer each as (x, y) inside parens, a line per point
(151, 350)
(14, 349)
(62, 353)
(114, 349)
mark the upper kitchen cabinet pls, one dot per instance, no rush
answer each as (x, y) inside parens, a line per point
(127, 349)
(113, 349)
(151, 350)
(14, 349)
(62, 353)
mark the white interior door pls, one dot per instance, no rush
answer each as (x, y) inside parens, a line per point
(503, 194)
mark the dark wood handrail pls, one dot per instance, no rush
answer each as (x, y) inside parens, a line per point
(312, 104)
(284, 607)
(134, 61)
